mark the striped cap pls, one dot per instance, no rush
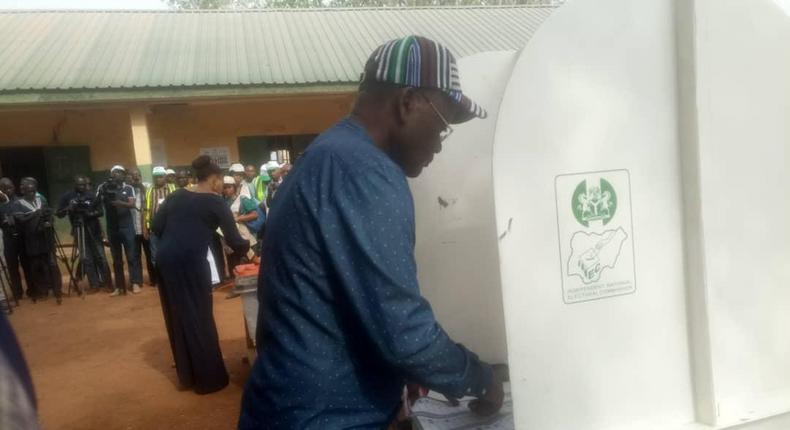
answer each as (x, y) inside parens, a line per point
(419, 62)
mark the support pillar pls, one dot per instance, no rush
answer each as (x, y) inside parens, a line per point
(142, 142)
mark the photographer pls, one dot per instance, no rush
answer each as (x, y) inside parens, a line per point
(33, 217)
(84, 212)
(118, 200)
(13, 249)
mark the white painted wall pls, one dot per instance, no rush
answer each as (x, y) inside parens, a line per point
(456, 248)
(743, 100)
(595, 89)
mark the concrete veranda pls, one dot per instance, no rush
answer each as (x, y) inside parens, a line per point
(105, 363)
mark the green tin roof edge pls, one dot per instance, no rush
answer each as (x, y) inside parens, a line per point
(165, 94)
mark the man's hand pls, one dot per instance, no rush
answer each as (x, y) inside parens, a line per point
(491, 402)
(145, 234)
(452, 400)
(129, 204)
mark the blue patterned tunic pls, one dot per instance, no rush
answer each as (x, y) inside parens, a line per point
(342, 325)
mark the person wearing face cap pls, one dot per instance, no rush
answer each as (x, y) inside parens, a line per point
(260, 183)
(236, 171)
(272, 171)
(119, 201)
(278, 176)
(155, 196)
(143, 245)
(342, 326)
(244, 210)
(171, 176)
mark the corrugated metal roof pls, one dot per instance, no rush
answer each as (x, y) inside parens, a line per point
(88, 50)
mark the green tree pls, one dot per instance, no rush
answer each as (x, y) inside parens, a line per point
(214, 4)
(261, 4)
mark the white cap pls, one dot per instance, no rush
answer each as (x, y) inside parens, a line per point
(228, 180)
(170, 172)
(117, 167)
(236, 168)
(272, 165)
(159, 171)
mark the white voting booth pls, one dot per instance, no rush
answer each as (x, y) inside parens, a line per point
(616, 230)
(456, 234)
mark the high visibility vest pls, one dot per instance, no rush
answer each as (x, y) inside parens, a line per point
(149, 201)
(260, 188)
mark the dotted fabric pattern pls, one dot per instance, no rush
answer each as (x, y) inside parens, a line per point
(342, 324)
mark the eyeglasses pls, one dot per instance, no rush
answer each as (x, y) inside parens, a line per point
(448, 129)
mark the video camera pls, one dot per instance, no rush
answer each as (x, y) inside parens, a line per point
(8, 225)
(81, 207)
(45, 221)
(110, 190)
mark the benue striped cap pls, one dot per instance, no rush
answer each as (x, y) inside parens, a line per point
(419, 62)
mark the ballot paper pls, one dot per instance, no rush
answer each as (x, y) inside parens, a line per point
(435, 413)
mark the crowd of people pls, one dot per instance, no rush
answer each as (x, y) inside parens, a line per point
(28, 240)
(33, 251)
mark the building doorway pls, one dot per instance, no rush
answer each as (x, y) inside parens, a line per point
(257, 150)
(18, 163)
(53, 167)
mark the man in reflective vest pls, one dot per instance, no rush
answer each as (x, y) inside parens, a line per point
(260, 183)
(154, 197)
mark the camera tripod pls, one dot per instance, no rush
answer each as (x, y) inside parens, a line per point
(5, 282)
(61, 255)
(80, 255)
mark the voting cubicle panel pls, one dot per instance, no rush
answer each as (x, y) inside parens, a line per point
(592, 159)
(456, 248)
(743, 102)
(588, 202)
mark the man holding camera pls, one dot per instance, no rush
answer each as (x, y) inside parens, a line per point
(33, 217)
(84, 212)
(118, 200)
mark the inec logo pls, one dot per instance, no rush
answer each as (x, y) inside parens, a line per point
(594, 202)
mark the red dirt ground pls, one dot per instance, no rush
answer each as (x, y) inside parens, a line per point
(105, 363)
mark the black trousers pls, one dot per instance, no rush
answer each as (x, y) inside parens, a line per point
(122, 241)
(46, 275)
(15, 257)
(94, 262)
(145, 246)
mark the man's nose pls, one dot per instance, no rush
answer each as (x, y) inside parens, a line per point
(438, 147)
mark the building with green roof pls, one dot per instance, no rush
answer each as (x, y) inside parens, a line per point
(81, 91)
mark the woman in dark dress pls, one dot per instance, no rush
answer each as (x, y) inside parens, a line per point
(185, 224)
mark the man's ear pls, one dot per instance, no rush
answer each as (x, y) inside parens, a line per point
(406, 103)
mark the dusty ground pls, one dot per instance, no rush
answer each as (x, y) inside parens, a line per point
(105, 363)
